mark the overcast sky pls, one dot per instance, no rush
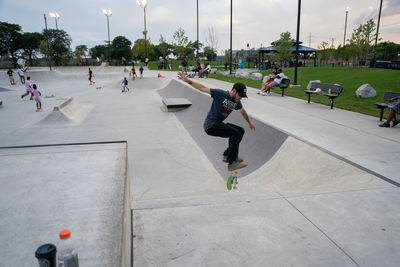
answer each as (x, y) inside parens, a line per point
(257, 22)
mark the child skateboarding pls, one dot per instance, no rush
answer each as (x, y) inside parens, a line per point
(125, 85)
(133, 70)
(141, 71)
(224, 102)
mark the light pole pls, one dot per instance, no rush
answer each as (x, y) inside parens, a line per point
(297, 42)
(230, 54)
(56, 16)
(143, 3)
(248, 55)
(47, 40)
(379, 20)
(108, 14)
(345, 26)
(197, 29)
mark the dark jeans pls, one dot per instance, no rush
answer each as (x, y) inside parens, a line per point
(235, 134)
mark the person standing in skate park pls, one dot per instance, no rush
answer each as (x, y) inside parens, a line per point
(91, 76)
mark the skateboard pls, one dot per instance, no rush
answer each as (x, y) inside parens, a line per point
(232, 181)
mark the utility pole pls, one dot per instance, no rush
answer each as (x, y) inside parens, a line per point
(332, 39)
(309, 40)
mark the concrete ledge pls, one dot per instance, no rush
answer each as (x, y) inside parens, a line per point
(176, 103)
(84, 188)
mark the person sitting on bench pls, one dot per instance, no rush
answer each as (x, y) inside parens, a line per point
(267, 86)
(206, 70)
(394, 107)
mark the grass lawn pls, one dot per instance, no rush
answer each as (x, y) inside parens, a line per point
(381, 80)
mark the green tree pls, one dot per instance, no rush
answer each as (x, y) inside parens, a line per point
(209, 53)
(98, 51)
(30, 42)
(387, 51)
(162, 49)
(362, 39)
(139, 49)
(59, 45)
(323, 53)
(121, 47)
(191, 48)
(180, 44)
(282, 46)
(10, 35)
(80, 51)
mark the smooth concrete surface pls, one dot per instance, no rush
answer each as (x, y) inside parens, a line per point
(322, 194)
(77, 187)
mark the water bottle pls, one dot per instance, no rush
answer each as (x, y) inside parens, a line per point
(329, 91)
(67, 256)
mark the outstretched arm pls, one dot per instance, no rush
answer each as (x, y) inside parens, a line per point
(198, 86)
(246, 117)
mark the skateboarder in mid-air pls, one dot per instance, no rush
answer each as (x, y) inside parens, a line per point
(223, 104)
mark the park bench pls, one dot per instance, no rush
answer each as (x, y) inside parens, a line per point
(284, 84)
(386, 97)
(331, 91)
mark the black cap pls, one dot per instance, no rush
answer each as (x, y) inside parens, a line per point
(240, 89)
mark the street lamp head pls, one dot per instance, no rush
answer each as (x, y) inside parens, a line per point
(347, 9)
(142, 3)
(54, 15)
(107, 12)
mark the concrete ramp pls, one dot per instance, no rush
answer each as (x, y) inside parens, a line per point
(257, 147)
(298, 168)
(70, 111)
(277, 162)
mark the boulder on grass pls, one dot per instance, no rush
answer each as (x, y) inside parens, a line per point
(256, 76)
(365, 91)
(242, 74)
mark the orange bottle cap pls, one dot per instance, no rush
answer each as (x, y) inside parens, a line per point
(64, 234)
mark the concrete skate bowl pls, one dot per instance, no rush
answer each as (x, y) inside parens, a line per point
(39, 75)
(257, 147)
(291, 166)
(68, 112)
(148, 83)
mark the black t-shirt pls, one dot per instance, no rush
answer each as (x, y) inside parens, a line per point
(221, 107)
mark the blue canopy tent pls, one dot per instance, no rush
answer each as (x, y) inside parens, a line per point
(262, 52)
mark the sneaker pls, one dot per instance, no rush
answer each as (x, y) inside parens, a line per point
(264, 93)
(395, 123)
(386, 125)
(236, 165)
(258, 92)
(225, 159)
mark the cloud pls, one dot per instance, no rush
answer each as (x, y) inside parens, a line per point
(389, 8)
